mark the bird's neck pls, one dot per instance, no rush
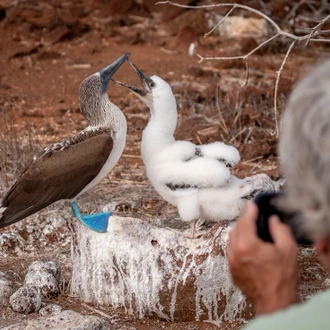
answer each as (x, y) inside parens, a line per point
(161, 126)
(103, 113)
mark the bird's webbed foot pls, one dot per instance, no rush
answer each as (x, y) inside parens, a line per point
(97, 222)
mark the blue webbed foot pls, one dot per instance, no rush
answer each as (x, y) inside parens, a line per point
(97, 222)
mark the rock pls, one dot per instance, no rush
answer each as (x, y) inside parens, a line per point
(45, 276)
(41, 282)
(262, 182)
(26, 300)
(65, 320)
(50, 309)
(238, 26)
(6, 289)
(150, 270)
(11, 244)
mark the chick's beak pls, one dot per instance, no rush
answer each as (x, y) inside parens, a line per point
(143, 78)
(141, 93)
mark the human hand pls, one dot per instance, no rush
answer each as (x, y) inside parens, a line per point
(266, 273)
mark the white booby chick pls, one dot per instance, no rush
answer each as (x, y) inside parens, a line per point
(66, 169)
(196, 179)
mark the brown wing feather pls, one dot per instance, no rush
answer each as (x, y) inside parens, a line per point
(56, 174)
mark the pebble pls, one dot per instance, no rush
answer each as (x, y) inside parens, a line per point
(44, 275)
(65, 320)
(25, 300)
(6, 289)
(11, 244)
(50, 309)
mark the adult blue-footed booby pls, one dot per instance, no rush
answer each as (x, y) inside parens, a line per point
(68, 168)
(196, 179)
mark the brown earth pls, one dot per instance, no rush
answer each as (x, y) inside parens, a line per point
(48, 47)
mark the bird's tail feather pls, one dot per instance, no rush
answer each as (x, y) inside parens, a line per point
(9, 216)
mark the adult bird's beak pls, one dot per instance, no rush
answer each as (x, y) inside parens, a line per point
(145, 80)
(109, 71)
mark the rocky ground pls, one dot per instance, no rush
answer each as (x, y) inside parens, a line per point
(48, 47)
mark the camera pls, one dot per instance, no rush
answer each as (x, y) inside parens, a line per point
(267, 205)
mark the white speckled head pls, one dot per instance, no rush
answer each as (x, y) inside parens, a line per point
(93, 90)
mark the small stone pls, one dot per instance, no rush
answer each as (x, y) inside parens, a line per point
(26, 300)
(11, 243)
(45, 276)
(238, 27)
(65, 320)
(306, 252)
(50, 309)
(262, 182)
(58, 222)
(6, 289)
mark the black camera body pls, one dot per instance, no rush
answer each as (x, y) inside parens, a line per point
(267, 207)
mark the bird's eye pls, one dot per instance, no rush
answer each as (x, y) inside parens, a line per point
(152, 84)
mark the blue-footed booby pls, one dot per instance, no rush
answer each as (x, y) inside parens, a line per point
(68, 168)
(195, 178)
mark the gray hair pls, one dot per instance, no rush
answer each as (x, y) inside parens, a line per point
(305, 151)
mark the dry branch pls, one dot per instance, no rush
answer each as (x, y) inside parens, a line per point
(311, 35)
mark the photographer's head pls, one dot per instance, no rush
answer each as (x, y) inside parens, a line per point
(305, 151)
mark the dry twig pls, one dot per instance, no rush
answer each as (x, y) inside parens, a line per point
(311, 36)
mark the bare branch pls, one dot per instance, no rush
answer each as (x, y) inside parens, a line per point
(314, 29)
(234, 5)
(238, 134)
(247, 73)
(292, 12)
(310, 35)
(247, 8)
(264, 7)
(223, 18)
(221, 119)
(279, 72)
(239, 57)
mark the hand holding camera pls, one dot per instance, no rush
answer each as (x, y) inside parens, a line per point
(267, 206)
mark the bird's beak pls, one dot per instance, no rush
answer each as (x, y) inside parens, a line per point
(141, 93)
(110, 70)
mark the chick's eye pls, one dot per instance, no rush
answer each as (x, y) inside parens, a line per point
(152, 84)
